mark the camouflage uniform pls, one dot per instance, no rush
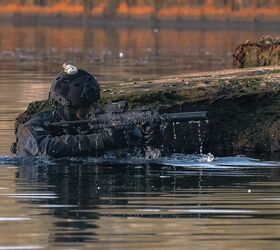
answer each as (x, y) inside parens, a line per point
(76, 89)
(34, 139)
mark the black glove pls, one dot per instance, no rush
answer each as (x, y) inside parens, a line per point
(83, 143)
(114, 138)
(135, 137)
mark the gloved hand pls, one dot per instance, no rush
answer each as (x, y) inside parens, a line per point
(83, 143)
(153, 136)
(135, 137)
(114, 138)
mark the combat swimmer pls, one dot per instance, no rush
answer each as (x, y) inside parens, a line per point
(73, 95)
(77, 125)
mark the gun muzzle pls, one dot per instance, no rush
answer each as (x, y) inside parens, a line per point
(185, 116)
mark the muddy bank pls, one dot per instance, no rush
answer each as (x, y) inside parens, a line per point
(243, 108)
(265, 52)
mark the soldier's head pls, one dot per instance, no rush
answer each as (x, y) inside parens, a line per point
(74, 90)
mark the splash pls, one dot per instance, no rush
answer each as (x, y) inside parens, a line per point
(153, 153)
(200, 138)
(199, 135)
(207, 157)
(190, 161)
(174, 130)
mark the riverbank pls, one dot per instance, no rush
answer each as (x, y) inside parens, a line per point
(242, 105)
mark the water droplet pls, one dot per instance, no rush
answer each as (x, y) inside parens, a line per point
(207, 158)
(174, 131)
(200, 139)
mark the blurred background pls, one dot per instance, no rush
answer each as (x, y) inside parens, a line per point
(225, 10)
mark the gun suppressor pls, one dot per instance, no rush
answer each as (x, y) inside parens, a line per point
(185, 116)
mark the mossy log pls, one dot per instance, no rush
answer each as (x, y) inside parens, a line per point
(243, 107)
(265, 52)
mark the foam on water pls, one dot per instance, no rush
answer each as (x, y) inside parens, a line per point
(206, 161)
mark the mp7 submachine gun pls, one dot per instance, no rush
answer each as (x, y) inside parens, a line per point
(118, 116)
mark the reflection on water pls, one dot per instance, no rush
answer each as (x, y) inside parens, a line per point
(121, 53)
(141, 206)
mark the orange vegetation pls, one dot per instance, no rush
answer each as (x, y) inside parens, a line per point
(210, 10)
(142, 10)
(99, 9)
(189, 12)
(250, 13)
(57, 8)
(173, 11)
(123, 9)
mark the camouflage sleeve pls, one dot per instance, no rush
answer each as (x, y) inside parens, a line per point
(34, 140)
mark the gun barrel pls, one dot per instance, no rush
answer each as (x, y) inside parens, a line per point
(171, 117)
(185, 116)
(64, 123)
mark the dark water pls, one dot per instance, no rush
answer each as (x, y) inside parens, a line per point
(182, 202)
(229, 203)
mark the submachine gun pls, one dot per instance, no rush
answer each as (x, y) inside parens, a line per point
(118, 116)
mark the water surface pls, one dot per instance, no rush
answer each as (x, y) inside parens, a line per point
(229, 203)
